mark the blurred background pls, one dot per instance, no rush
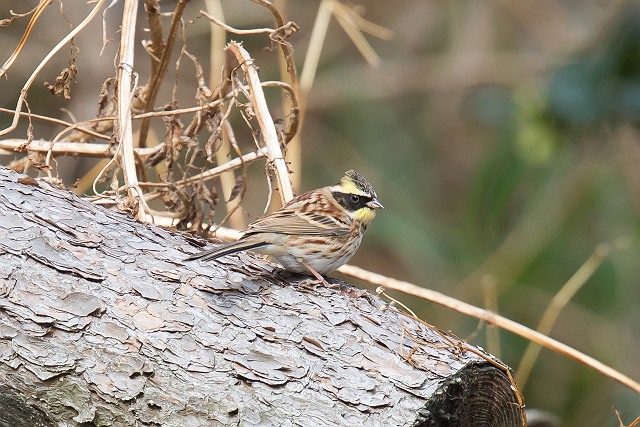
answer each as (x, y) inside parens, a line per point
(501, 136)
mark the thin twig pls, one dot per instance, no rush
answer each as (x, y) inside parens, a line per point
(213, 172)
(463, 346)
(491, 304)
(557, 304)
(52, 52)
(60, 122)
(265, 122)
(309, 68)
(344, 16)
(233, 203)
(37, 11)
(634, 423)
(235, 30)
(156, 78)
(217, 79)
(491, 318)
(280, 36)
(316, 42)
(156, 45)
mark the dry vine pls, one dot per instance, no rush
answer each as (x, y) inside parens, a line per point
(138, 173)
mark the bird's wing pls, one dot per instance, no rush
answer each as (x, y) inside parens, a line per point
(290, 220)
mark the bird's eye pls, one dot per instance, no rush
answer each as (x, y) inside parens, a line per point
(355, 198)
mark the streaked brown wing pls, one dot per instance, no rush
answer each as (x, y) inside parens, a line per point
(292, 221)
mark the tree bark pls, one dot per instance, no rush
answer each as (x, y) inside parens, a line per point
(101, 323)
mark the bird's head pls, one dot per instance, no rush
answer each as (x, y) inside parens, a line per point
(356, 196)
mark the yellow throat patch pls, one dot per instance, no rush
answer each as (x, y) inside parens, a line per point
(365, 215)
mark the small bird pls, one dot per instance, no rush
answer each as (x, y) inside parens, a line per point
(316, 232)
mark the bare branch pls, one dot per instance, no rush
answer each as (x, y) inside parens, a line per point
(151, 90)
(75, 148)
(261, 109)
(490, 318)
(125, 81)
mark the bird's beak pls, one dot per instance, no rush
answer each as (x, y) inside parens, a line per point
(375, 204)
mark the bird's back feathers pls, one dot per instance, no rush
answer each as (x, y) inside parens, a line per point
(302, 215)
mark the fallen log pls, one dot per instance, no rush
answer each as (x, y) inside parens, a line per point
(101, 323)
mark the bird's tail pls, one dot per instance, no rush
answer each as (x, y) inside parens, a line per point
(226, 249)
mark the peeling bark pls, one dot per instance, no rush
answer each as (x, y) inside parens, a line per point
(102, 324)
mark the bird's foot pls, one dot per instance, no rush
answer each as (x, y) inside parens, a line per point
(310, 282)
(318, 279)
(343, 288)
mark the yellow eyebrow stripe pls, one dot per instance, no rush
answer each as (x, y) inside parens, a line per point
(349, 187)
